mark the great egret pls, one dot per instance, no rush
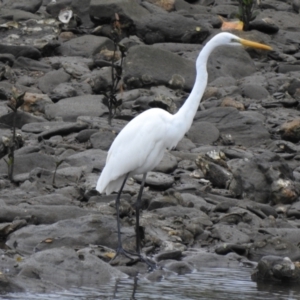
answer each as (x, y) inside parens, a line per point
(140, 146)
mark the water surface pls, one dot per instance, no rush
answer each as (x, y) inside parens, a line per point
(218, 283)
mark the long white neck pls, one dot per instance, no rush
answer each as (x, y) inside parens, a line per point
(184, 117)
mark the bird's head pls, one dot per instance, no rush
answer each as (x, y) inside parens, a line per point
(226, 38)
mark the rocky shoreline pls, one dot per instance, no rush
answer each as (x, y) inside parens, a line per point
(227, 196)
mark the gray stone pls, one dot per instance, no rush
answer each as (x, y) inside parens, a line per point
(157, 180)
(88, 158)
(245, 129)
(167, 165)
(52, 79)
(86, 46)
(61, 266)
(203, 133)
(102, 140)
(71, 108)
(254, 92)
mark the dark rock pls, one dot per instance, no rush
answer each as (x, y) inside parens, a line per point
(244, 128)
(26, 5)
(21, 119)
(277, 269)
(104, 11)
(160, 28)
(37, 127)
(17, 51)
(270, 175)
(168, 255)
(264, 26)
(146, 66)
(31, 64)
(65, 129)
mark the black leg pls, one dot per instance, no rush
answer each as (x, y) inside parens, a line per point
(118, 215)
(137, 215)
(120, 249)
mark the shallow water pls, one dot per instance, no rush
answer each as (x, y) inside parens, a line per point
(210, 283)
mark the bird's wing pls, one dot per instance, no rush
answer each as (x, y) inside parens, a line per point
(139, 144)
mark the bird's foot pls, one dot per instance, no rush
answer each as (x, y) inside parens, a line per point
(133, 256)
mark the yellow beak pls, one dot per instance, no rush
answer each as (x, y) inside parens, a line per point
(254, 44)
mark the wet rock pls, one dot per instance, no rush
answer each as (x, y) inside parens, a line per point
(211, 260)
(169, 255)
(51, 265)
(277, 269)
(273, 246)
(179, 267)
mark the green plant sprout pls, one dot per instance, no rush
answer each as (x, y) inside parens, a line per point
(246, 11)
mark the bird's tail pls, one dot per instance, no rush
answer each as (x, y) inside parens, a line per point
(106, 186)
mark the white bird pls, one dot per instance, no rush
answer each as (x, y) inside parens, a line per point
(140, 146)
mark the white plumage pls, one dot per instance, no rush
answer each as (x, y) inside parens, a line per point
(140, 146)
